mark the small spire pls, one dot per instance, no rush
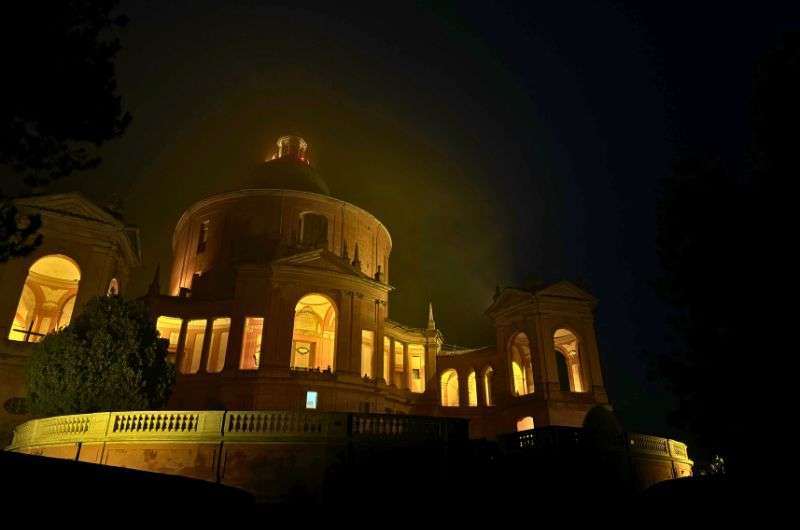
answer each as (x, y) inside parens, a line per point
(344, 251)
(155, 287)
(356, 260)
(431, 322)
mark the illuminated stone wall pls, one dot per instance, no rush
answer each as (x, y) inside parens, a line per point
(268, 453)
(77, 231)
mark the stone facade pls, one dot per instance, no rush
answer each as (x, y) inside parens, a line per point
(278, 299)
(98, 244)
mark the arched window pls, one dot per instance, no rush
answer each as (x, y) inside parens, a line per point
(521, 365)
(488, 375)
(113, 287)
(47, 299)
(314, 334)
(472, 389)
(525, 424)
(169, 328)
(449, 388)
(313, 230)
(568, 360)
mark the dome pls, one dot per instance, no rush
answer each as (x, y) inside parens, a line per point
(288, 169)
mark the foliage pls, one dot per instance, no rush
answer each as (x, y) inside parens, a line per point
(720, 232)
(108, 358)
(18, 235)
(61, 99)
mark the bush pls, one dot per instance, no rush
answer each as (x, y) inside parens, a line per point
(109, 358)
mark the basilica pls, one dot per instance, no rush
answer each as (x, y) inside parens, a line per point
(279, 299)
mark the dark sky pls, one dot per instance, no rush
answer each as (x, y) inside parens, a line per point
(496, 143)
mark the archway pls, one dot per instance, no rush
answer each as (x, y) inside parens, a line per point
(521, 365)
(48, 298)
(314, 334)
(449, 383)
(568, 360)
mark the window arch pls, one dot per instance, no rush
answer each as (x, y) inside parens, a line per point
(521, 365)
(568, 360)
(313, 230)
(314, 333)
(488, 376)
(47, 299)
(472, 389)
(449, 383)
(113, 287)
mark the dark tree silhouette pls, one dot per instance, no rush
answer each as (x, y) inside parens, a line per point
(108, 358)
(721, 230)
(60, 101)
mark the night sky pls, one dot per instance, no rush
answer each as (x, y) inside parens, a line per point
(497, 143)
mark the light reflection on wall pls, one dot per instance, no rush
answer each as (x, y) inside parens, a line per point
(47, 299)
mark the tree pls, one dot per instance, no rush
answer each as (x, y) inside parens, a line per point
(108, 358)
(722, 243)
(60, 99)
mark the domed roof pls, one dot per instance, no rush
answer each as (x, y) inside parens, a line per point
(288, 169)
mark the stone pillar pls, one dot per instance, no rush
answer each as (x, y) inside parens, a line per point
(377, 366)
(180, 354)
(355, 334)
(235, 340)
(208, 338)
(344, 333)
(480, 388)
(391, 363)
(406, 367)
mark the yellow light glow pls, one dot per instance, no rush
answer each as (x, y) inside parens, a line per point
(193, 346)
(449, 385)
(47, 299)
(251, 343)
(220, 331)
(314, 333)
(472, 389)
(367, 351)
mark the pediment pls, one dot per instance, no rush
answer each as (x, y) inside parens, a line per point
(509, 297)
(72, 205)
(322, 260)
(565, 289)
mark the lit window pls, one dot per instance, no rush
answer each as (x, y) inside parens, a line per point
(367, 350)
(113, 287)
(398, 356)
(169, 328)
(387, 354)
(311, 399)
(314, 333)
(416, 355)
(525, 424)
(251, 343)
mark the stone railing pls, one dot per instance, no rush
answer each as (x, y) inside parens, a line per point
(233, 425)
(653, 445)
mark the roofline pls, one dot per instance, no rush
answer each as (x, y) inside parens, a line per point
(266, 191)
